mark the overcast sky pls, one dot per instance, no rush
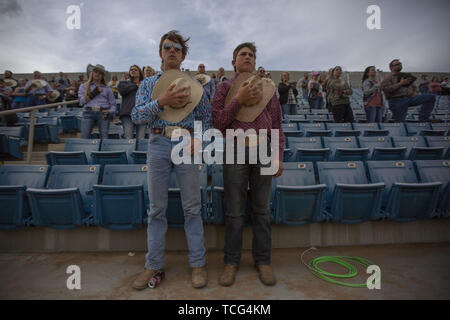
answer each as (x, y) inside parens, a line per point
(289, 34)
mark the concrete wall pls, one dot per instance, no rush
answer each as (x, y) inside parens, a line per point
(92, 239)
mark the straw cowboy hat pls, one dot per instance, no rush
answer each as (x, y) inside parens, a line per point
(180, 79)
(99, 67)
(38, 83)
(10, 83)
(202, 78)
(252, 109)
(53, 95)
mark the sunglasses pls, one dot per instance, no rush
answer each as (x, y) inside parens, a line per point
(397, 64)
(176, 46)
(134, 70)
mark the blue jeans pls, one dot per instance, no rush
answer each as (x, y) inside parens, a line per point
(290, 109)
(424, 90)
(399, 106)
(34, 101)
(128, 126)
(19, 104)
(160, 167)
(88, 119)
(314, 103)
(374, 114)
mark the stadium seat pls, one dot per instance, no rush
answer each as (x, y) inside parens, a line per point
(15, 138)
(417, 148)
(404, 198)
(345, 149)
(120, 202)
(433, 171)
(342, 129)
(306, 149)
(140, 154)
(350, 197)
(380, 148)
(440, 142)
(14, 179)
(76, 152)
(291, 130)
(67, 201)
(296, 118)
(415, 128)
(52, 127)
(114, 151)
(69, 123)
(442, 126)
(318, 117)
(175, 213)
(297, 199)
(395, 129)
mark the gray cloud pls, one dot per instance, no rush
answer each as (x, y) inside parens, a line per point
(10, 8)
(289, 34)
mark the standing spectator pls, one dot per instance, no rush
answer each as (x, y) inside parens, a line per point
(322, 80)
(435, 86)
(98, 102)
(71, 93)
(261, 72)
(288, 93)
(445, 85)
(324, 88)
(149, 72)
(128, 89)
(81, 80)
(37, 91)
(424, 85)
(373, 98)
(113, 85)
(9, 80)
(221, 75)
(402, 94)
(303, 84)
(20, 98)
(314, 91)
(338, 92)
(205, 80)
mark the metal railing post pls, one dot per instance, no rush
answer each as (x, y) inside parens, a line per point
(31, 136)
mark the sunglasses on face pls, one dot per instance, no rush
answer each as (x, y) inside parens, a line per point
(176, 46)
(397, 64)
(133, 69)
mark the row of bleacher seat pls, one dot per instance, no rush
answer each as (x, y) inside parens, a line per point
(297, 128)
(66, 197)
(363, 148)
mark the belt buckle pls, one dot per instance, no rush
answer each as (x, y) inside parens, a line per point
(172, 132)
(95, 108)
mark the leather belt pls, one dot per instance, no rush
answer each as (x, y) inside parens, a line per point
(168, 130)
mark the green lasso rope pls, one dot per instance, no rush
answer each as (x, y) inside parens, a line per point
(341, 260)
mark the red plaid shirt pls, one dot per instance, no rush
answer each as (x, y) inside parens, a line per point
(224, 116)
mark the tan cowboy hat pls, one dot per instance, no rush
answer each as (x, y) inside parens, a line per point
(53, 95)
(253, 109)
(202, 78)
(10, 83)
(99, 67)
(181, 79)
(38, 83)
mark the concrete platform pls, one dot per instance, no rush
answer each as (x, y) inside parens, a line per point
(409, 271)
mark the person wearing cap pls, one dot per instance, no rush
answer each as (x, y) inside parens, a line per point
(206, 82)
(97, 99)
(169, 101)
(236, 112)
(401, 94)
(38, 91)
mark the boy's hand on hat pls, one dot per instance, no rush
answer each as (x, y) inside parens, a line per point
(247, 92)
(173, 97)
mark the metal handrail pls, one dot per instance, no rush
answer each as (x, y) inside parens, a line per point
(33, 111)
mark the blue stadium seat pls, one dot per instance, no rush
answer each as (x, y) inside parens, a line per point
(345, 149)
(76, 152)
(404, 199)
(350, 197)
(175, 214)
(52, 127)
(370, 129)
(417, 148)
(291, 130)
(380, 148)
(440, 142)
(14, 179)
(342, 129)
(415, 128)
(15, 139)
(318, 117)
(433, 171)
(120, 202)
(3, 145)
(140, 154)
(442, 126)
(114, 151)
(395, 129)
(296, 118)
(69, 123)
(306, 149)
(67, 201)
(297, 199)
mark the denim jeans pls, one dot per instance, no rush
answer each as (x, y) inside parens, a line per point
(128, 126)
(237, 178)
(399, 106)
(19, 104)
(290, 109)
(424, 90)
(314, 103)
(88, 119)
(374, 114)
(34, 101)
(160, 167)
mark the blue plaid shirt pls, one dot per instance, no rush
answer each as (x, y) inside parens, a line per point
(146, 110)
